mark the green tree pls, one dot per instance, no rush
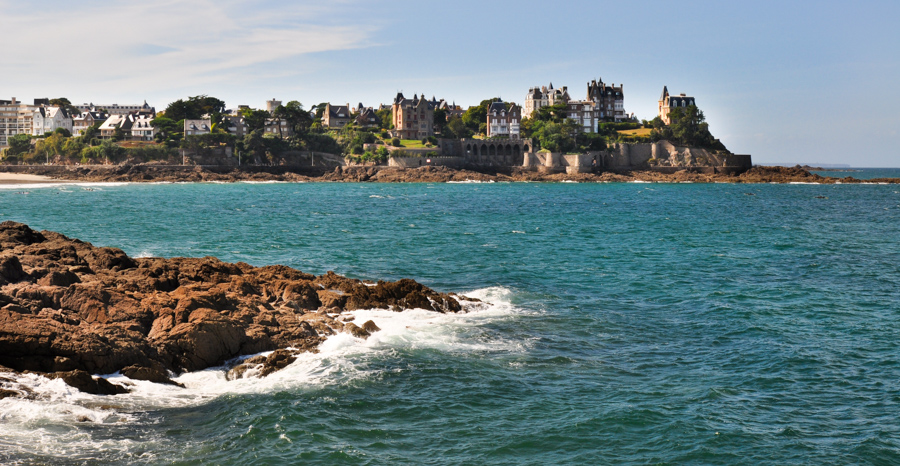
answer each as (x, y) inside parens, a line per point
(688, 127)
(49, 148)
(19, 144)
(557, 137)
(440, 120)
(255, 119)
(588, 142)
(64, 104)
(455, 128)
(195, 107)
(297, 118)
(385, 118)
(556, 112)
(72, 147)
(476, 116)
(118, 133)
(91, 132)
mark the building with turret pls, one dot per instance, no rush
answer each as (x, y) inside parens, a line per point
(543, 96)
(668, 102)
(603, 103)
(608, 100)
(412, 118)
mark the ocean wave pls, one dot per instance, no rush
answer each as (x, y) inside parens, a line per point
(98, 185)
(56, 412)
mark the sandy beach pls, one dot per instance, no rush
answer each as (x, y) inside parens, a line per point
(24, 178)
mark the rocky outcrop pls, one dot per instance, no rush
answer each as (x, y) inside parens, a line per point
(72, 309)
(681, 170)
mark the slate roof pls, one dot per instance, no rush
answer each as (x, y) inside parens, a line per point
(340, 111)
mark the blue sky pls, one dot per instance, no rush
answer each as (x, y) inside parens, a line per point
(784, 81)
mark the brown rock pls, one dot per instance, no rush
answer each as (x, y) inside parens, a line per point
(370, 327)
(93, 385)
(356, 330)
(332, 298)
(11, 270)
(154, 373)
(70, 308)
(57, 278)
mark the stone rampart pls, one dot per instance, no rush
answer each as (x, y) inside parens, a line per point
(415, 162)
(660, 156)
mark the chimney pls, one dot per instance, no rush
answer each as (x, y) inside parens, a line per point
(13, 100)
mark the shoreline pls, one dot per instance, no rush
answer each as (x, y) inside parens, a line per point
(152, 173)
(7, 178)
(152, 318)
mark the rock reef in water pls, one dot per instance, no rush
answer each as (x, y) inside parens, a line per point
(437, 174)
(69, 309)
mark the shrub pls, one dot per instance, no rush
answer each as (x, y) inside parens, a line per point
(395, 142)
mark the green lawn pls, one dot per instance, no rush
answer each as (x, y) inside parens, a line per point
(636, 132)
(408, 143)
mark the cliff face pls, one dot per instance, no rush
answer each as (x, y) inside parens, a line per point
(69, 308)
(664, 154)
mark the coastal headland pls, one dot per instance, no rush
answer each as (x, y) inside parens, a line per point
(69, 310)
(151, 172)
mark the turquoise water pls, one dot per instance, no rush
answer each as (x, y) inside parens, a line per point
(862, 173)
(632, 323)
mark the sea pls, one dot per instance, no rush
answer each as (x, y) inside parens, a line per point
(625, 323)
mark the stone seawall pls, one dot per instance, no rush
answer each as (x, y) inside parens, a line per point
(415, 162)
(662, 156)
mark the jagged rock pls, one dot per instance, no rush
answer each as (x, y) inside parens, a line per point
(11, 270)
(67, 306)
(93, 385)
(154, 373)
(356, 330)
(263, 365)
(370, 327)
(332, 298)
(57, 278)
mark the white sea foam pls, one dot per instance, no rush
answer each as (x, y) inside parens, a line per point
(85, 186)
(48, 422)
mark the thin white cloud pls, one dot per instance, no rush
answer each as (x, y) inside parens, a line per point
(161, 44)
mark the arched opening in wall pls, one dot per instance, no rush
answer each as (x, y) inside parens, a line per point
(492, 150)
(516, 149)
(484, 149)
(508, 149)
(525, 148)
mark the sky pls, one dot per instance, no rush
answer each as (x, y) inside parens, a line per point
(785, 81)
